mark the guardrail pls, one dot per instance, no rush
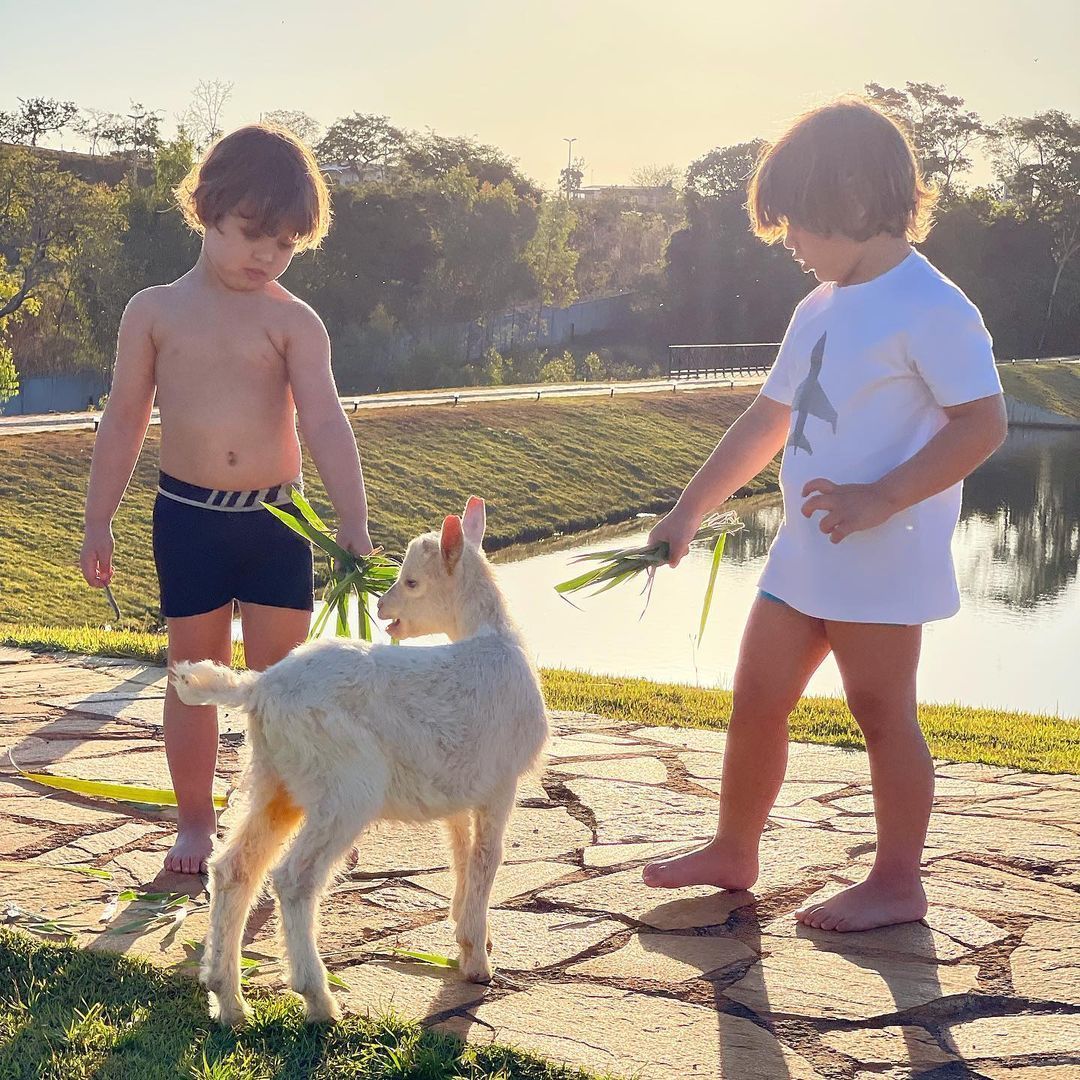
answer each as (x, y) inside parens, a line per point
(88, 421)
(705, 361)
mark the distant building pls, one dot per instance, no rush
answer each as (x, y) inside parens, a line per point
(367, 173)
(630, 195)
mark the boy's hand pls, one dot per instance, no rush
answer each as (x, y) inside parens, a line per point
(355, 538)
(95, 559)
(677, 528)
(848, 508)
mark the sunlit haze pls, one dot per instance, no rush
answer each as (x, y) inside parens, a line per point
(634, 83)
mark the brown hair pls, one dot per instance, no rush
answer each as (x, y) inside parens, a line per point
(268, 176)
(843, 168)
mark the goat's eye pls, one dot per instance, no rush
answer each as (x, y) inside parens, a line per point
(410, 583)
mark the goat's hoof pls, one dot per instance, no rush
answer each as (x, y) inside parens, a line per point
(321, 1010)
(231, 1014)
(477, 969)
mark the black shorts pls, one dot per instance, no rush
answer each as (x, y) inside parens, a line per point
(213, 547)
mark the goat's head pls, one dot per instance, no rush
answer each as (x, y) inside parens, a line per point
(434, 582)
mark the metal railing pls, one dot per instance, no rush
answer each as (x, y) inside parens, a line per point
(705, 361)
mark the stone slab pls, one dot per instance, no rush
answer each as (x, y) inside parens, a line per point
(798, 979)
(512, 880)
(640, 770)
(637, 813)
(652, 1038)
(624, 893)
(666, 958)
(996, 1037)
(1046, 965)
(914, 1049)
(522, 940)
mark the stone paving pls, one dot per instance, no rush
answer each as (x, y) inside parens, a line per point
(592, 967)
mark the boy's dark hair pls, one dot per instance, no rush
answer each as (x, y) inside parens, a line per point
(843, 168)
(267, 175)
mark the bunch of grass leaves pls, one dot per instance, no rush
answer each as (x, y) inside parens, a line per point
(618, 565)
(348, 575)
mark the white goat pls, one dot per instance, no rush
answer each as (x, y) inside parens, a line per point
(344, 733)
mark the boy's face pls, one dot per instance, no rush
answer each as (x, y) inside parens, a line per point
(829, 258)
(245, 258)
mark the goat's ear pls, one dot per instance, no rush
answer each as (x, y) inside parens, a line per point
(474, 520)
(451, 541)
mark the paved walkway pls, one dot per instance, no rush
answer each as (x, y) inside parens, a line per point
(592, 967)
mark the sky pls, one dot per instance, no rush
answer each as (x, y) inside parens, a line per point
(636, 83)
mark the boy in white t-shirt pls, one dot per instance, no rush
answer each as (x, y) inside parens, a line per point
(884, 396)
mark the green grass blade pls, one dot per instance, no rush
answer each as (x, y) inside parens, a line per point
(320, 539)
(307, 510)
(718, 554)
(135, 793)
(435, 959)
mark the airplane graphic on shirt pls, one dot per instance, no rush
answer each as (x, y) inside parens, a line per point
(811, 400)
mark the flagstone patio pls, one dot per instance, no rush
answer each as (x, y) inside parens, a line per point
(592, 967)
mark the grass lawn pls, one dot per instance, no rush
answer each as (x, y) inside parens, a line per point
(954, 732)
(68, 1014)
(1051, 386)
(543, 467)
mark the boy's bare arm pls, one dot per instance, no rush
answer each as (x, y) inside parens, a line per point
(973, 432)
(746, 448)
(326, 430)
(120, 434)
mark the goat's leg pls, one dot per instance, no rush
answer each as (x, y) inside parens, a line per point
(236, 873)
(299, 880)
(459, 828)
(489, 825)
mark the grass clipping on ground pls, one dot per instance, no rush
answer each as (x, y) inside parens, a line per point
(1010, 739)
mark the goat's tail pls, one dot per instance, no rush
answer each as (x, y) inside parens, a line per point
(208, 683)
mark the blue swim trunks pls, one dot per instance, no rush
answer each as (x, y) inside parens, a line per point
(783, 603)
(212, 547)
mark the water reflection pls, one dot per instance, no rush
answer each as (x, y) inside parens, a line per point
(1013, 645)
(1018, 542)
(1017, 551)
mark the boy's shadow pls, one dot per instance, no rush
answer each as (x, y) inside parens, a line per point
(740, 1053)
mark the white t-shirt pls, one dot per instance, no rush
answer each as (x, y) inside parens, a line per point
(867, 370)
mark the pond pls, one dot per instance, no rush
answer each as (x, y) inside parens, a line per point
(1013, 646)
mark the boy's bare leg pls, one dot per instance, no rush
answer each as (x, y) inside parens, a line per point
(781, 648)
(271, 633)
(191, 739)
(878, 665)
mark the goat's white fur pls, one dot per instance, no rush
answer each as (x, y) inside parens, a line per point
(344, 733)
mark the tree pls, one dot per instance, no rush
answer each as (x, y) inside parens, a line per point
(432, 157)
(56, 233)
(617, 246)
(723, 171)
(571, 176)
(37, 117)
(137, 133)
(98, 125)
(549, 255)
(656, 176)
(360, 140)
(204, 115)
(942, 131)
(1037, 159)
(306, 128)
(721, 283)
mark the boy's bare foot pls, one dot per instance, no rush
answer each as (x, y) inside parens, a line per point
(872, 903)
(192, 849)
(713, 864)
